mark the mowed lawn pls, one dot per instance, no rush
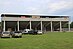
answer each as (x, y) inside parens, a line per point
(55, 40)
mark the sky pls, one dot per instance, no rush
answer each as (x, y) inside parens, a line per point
(46, 7)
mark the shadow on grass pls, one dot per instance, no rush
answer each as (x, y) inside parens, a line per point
(5, 37)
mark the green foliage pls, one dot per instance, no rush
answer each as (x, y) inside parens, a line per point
(49, 40)
(71, 25)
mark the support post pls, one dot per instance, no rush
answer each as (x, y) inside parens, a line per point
(60, 26)
(30, 25)
(18, 25)
(41, 25)
(51, 26)
(4, 26)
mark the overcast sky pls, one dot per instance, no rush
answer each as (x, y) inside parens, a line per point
(48, 7)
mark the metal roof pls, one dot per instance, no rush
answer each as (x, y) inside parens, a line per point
(19, 14)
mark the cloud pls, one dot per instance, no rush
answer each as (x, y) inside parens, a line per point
(35, 6)
(48, 7)
(60, 5)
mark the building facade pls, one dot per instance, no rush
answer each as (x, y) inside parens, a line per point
(13, 22)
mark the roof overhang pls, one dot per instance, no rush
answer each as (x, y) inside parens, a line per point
(30, 14)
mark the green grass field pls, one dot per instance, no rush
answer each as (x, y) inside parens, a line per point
(55, 40)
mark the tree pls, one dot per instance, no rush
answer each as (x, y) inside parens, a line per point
(71, 25)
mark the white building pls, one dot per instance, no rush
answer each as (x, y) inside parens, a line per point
(14, 22)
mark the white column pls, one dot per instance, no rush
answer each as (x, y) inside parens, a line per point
(60, 26)
(30, 25)
(4, 26)
(69, 26)
(41, 26)
(18, 25)
(51, 26)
